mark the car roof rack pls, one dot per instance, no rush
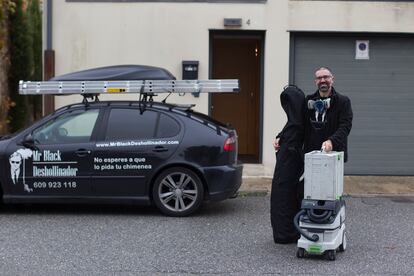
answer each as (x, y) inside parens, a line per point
(123, 79)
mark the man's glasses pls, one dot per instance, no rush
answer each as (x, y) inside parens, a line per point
(323, 77)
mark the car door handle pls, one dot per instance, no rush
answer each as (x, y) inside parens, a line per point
(82, 152)
(160, 149)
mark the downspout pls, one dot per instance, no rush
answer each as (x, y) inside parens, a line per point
(49, 58)
(49, 25)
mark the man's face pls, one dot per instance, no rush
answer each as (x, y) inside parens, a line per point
(15, 162)
(324, 80)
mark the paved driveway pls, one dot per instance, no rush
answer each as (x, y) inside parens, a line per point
(226, 238)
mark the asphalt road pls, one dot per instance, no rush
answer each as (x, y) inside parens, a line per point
(225, 238)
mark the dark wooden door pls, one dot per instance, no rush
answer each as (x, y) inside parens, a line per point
(239, 58)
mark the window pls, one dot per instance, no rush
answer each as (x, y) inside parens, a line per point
(131, 124)
(167, 127)
(71, 127)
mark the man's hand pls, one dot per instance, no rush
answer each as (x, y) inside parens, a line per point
(276, 144)
(327, 146)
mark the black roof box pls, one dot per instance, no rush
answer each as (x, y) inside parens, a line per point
(118, 72)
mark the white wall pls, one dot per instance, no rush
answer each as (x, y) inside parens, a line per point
(87, 35)
(351, 16)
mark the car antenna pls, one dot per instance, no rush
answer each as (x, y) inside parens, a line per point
(142, 102)
(163, 101)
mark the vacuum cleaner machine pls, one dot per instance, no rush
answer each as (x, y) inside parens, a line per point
(321, 221)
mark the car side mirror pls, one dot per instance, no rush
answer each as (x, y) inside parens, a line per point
(29, 142)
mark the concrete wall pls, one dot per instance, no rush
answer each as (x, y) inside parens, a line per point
(87, 35)
(351, 16)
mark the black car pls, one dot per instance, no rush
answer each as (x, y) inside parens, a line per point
(133, 152)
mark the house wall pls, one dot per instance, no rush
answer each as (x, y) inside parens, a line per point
(352, 16)
(92, 34)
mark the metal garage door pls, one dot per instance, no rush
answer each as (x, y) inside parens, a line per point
(381, 91)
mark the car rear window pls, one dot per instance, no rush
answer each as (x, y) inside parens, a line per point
(167, 127)
(131, 124)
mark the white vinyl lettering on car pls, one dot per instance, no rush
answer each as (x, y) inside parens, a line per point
(136, 143)
(45, 164)
(121, 163)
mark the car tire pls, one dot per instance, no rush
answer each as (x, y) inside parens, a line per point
(178, 192)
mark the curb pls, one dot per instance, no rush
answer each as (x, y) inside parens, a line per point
(266, 193)
(252, 193)
(356, 186)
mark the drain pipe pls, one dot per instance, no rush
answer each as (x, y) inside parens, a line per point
(49, 15)
(49, 58)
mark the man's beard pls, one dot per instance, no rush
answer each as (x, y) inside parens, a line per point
(324, 87)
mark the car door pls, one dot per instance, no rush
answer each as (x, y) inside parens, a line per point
(133, 145)
(59, 163)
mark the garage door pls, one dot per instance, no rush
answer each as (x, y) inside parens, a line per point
(381, 90)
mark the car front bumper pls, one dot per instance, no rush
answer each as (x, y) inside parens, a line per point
(223, 181)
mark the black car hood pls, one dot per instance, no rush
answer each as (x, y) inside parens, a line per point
(118, 72)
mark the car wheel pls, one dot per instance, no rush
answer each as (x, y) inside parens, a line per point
(178, 192)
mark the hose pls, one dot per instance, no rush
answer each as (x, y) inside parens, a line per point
(319, 218)
(314, 237)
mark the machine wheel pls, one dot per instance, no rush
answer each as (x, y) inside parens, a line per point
(331, 255)
(300, 253)
(178, 192)
(342, 247)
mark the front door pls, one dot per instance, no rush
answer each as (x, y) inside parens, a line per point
(239, 57)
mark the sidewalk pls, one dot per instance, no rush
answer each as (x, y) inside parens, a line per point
(353, 186)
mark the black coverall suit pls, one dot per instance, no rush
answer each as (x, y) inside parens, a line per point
(287, 191)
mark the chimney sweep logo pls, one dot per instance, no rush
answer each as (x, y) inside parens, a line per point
(16, 159)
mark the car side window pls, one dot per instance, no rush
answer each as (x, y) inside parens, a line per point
(71, 127)
(167, 127)
(131, 124)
